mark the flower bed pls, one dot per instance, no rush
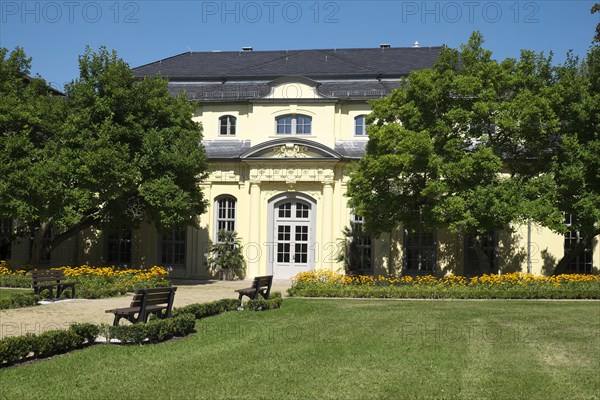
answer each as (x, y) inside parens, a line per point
(94, 282)
(321, 283)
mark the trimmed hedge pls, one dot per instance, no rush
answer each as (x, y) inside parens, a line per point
(155, 331)
(580, 291)
(19, 300)
(261, 304)
(182, 323)
(204, 310)
(30, 346)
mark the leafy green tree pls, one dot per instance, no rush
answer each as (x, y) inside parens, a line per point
(124, 151)
(596, 9)
(462, 146)
(576, 163)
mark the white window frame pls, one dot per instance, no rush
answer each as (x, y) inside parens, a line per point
(294, 124)
(583, 263)
(225, 206)
(230, 124)
(363, 125)
(365, 241)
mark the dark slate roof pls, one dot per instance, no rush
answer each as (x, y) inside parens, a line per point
(367, 89)
(225, 149)
(314, 64)
(351, 148)
(221, 92)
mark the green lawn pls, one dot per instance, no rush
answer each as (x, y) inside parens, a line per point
(345, 349)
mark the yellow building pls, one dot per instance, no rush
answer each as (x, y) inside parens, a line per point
(280, 130)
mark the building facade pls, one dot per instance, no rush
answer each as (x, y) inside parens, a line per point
(281, 129)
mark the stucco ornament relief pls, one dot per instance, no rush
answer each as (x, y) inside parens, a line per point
(291, 150)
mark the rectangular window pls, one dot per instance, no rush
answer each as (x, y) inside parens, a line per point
(172, 247)
(6, 227)
(284, 125)
(361, 247)
(419, 252)
(582, 264)
(303, 125)
(119, 246)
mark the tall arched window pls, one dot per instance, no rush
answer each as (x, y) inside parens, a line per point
(293, 124)
(225, 214)
(360, 125)
(227, 125)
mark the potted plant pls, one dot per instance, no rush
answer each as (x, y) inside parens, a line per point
(226, 259)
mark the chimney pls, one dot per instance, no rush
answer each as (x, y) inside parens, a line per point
(248, 48)
(385, 45)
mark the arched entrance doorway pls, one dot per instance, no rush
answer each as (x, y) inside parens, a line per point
(292, 219)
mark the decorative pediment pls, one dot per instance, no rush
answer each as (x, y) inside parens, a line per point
(290, 148)
(293, 88)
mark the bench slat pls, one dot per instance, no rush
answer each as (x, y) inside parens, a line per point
(157, 301)
(261, 286)
(50, 279)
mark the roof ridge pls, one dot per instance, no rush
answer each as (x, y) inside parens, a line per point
(301, 50)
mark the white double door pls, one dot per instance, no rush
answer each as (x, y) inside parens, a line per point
(293, 238)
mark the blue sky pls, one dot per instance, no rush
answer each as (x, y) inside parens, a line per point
(54, 33)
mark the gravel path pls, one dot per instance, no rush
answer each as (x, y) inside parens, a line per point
(60, 314)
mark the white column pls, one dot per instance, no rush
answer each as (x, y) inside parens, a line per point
(254, 252)
(327, 247)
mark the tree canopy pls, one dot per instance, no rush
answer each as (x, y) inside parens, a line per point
(113, 150)
(474, 145)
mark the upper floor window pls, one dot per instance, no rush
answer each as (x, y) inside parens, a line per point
(294, 124)
(227, 125)
(226, 210)
(360, 125)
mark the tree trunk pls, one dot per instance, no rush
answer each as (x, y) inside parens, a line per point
(66, 235)
(38, 243)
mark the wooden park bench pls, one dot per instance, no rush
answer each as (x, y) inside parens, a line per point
(50, 279)
(261, 285)
(157, 301)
